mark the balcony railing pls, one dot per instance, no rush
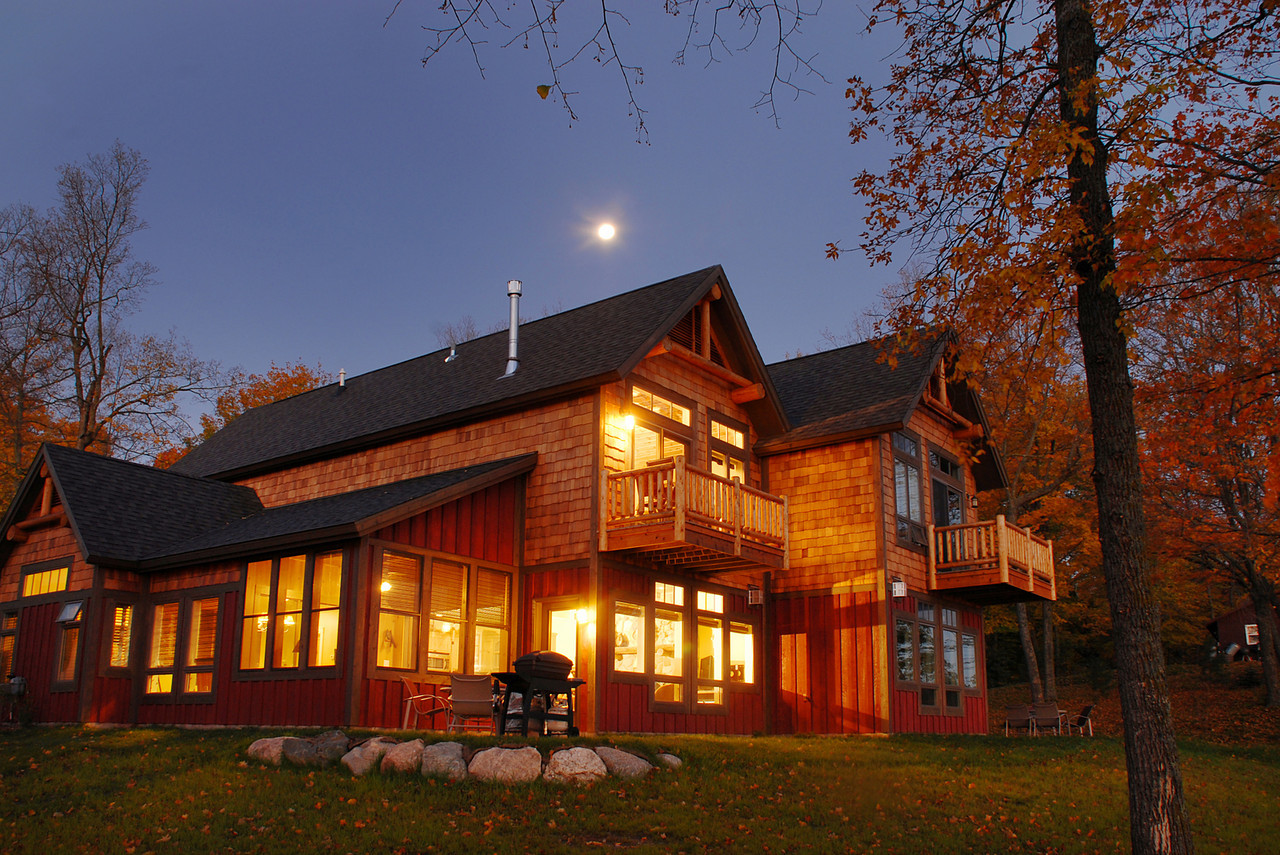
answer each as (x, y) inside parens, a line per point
(684, 516)
(991, 561)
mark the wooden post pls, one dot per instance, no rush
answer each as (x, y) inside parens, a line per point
(679, 483)
(738, 511)
(786, 535)
(1053, 575)
(604, 510)
(931, 541)
(1002, 548)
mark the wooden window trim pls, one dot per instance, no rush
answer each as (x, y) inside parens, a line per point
(918, 464)
(180, 669)
(469, 623)
(727, 448)
(688, 679)
(961, 630)
(302, 670)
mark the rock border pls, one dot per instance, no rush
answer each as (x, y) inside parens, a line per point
(453, 761)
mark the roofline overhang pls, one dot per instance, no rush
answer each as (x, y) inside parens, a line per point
(352, 530)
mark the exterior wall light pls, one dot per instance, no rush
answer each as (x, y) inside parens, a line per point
(899, 589)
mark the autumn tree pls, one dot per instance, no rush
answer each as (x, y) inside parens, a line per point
(1043, 153)
(244, 392)
(1210, 399)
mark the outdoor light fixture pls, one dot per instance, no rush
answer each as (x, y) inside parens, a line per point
(899, 588)
(755, 596)
(973, 501)
(629, 421)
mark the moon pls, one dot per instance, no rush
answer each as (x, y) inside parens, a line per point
(606, 231)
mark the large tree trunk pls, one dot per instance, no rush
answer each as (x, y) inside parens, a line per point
(1262, 595)
(1050, 667)
(1157, 810)
(1029, 653)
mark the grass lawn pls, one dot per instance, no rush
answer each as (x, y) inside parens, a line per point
(181, 791)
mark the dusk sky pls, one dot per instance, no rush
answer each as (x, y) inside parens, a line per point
(316, 195)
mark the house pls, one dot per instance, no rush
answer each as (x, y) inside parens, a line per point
(1235, 633)
(720, 545)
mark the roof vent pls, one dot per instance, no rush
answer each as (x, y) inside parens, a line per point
(453, 353)
(342, 378)
(513, 334)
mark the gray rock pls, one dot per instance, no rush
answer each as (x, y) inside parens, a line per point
(575, 766)
(671, 761)
(332, 745)
(405, 757)
(363, 757)
(444, 760)
(507, 765)
(623, 764)
(269, 750)
(301, 752)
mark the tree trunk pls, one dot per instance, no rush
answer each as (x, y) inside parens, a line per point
(1029, 653)
(1050, 666)
(1262, 595)
(1158, 820)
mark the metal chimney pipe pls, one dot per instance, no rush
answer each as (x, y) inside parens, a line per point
(513, 331)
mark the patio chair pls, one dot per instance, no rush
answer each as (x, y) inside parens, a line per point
(1046, 716)
(418, 703)
(471, 703)
(1081, 721)
(1017, 717)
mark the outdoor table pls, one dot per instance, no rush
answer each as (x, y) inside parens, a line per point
(536, 687)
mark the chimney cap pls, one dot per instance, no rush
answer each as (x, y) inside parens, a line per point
(513, 287)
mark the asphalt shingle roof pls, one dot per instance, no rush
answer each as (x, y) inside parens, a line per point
(126, 514)
(849, 390)
(564, 352)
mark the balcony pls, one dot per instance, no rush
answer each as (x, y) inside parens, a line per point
(682, 517)
(991, 562)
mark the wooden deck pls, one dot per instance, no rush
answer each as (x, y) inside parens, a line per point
(991, 562)
(683, 517)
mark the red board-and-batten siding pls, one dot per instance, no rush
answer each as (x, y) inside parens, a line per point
(481, 526)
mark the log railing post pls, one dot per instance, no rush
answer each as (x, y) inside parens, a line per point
(1002, 548)
(931, 538)
(680, 483)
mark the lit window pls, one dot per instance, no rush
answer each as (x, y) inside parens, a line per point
(164, 648)
(121, 636)
(8, 633)
(709, 602)
(726, 449)
(45, 581)
(672, 595)
(281, 629)
(628, 638)
(189, 669)
(668, 654)
(742, 653)
(663, 427)
(468, 615)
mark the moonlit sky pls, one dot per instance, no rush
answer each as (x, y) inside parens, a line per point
(317, 196)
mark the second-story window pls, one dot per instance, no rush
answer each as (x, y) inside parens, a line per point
(727, 448)
(908, 492)
(948, 489)
(663, 426)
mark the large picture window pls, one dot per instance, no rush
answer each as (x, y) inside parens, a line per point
(936, 657)
(292, 606)
(685, 644)
(182, 647)
(442, 613)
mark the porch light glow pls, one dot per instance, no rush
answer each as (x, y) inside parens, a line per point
(582, 615)
(629, 421)
(386, 586)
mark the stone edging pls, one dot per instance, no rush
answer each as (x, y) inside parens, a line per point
(454, 761)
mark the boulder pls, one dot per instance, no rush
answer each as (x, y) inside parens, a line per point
(269, 751)
(671, 761)
(332, 746)
(575, 766)
(444, 760)
(507, 765)
(404, 757)
(364, 756)
(623, 764)
(301, 752)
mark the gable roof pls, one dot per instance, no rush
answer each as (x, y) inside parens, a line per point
(133, 516)
(560, 355)
(850, 393)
